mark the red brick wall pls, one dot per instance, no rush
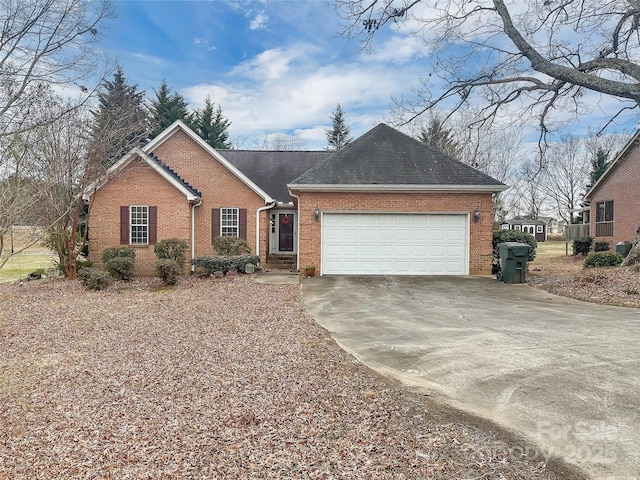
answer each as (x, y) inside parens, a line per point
(219, 188)
(480, 233)
(623, 187)
(174, 213)
(141, 185)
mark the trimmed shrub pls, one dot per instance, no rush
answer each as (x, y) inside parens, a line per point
(602, 259)
(172, 249)
(502, 236)
(582, 245)
(601, 246)
(169, 270)
(231, 246)
(114, 252)
(94, 279)
(120, 267)
(208, 264)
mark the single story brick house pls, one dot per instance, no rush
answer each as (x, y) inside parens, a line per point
(537, 228)
(385, 204)
(614, 200)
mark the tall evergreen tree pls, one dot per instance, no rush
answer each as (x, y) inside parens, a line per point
(166, 109)
(440, 138)
(212, 125)
(120, 121)
(338, 135)
(599, 164)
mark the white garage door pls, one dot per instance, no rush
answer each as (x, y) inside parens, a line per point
(394, 244)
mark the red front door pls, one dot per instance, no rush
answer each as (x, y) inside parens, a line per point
(285, 232)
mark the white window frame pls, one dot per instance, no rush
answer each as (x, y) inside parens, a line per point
(139, 225)
(229, 222)
(517, 227)
(539, 229)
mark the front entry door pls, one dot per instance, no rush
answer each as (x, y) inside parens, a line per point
(285, 232)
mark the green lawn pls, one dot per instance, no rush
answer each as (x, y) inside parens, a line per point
(20, 265)
(552, 248)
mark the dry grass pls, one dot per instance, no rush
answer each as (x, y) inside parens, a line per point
(564, 275)
(213, 379)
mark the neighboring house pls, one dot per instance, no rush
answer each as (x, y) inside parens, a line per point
(553, 227)
(614, 200)
(537, 228)
(385, 204)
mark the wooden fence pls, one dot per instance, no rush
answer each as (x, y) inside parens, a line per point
(571, 232)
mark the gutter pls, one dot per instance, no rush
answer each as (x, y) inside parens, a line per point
(383, 188)
(261, 209)
(193, 231)
(297, 197)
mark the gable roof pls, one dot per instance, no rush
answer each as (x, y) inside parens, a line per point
(384, 159)
(631, 144)
(179, 125)
(520, 221)
(272, 170)
(154, 162)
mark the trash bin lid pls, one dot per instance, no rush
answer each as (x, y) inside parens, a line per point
(517, 249)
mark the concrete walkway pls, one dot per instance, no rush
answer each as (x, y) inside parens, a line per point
(564, 373)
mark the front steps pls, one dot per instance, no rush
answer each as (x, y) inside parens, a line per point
(283, 262)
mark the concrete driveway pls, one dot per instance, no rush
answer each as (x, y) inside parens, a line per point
(564, 373)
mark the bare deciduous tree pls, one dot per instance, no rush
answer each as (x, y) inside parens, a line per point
(46, 45)
(565, 175)
(538, 56)
(278, 141)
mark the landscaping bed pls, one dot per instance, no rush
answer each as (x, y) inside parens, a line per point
(555, 272)
(215, 379)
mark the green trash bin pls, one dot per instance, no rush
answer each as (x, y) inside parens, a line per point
(513, 261)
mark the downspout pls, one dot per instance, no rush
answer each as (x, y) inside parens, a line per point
(297, 197)
(261, 209)
(193, 231)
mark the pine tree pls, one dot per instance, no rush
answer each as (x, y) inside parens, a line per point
(440, 138)
(338, 135)
(120, 121)
(212, 125)
(166, 109)
(599, 164)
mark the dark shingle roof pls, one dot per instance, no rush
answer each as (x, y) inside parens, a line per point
(272, 170)
(385, 156)
(520, 221)
(174, 174)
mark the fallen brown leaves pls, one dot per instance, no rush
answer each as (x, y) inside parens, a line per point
(564, 275)
(211, 379)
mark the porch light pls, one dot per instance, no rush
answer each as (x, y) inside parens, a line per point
(476, 215)
(316, 212)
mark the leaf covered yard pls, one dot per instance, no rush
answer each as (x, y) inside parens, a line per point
(212, 379)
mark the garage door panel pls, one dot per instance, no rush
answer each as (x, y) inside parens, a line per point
(397, 244)
(403, 251)
(419, 235)
(455, 236)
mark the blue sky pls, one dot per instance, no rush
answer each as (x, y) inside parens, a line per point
(273, 66)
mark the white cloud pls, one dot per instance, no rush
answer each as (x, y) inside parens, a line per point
(285, 90)
(269, 65)
(259, 22)
(399, 49)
